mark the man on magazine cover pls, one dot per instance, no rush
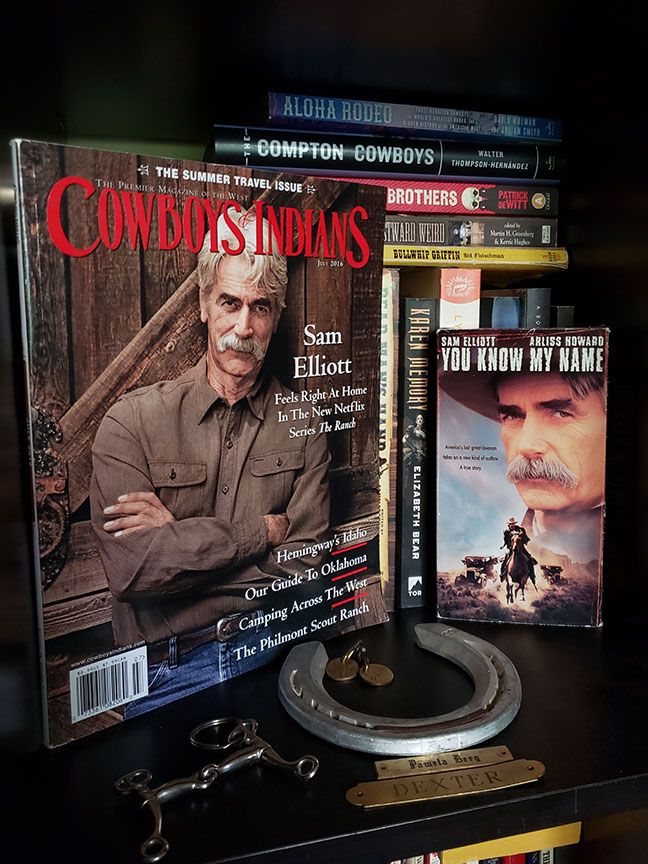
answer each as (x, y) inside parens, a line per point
(553, 428)
(196, 482)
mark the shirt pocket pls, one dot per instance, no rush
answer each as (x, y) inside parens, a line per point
(274, 473)
(180, 486)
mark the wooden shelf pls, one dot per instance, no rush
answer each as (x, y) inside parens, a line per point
(585, 693)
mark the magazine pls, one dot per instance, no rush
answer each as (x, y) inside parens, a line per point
(521, 475)
(201, 348)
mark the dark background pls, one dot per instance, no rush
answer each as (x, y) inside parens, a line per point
(155, 76)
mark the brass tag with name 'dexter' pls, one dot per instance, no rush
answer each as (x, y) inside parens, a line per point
(432, 763)
(446, 784)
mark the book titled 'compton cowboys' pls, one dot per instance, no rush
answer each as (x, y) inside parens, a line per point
(373, 156)
(201, 344)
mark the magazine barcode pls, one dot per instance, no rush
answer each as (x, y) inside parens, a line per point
(110, 682)
(546, 234)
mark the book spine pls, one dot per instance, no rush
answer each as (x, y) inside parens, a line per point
(342, 114)
(459, 293)
(418, 318)
(504, 313)
(507, 231)
(366, 155)
(489, 199)
(484, 257)
(387, 431)
(562, 316)
(546, 856)
(536, 307)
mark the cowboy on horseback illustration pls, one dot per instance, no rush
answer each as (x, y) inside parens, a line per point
(515, 537)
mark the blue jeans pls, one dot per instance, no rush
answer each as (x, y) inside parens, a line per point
(183, 674)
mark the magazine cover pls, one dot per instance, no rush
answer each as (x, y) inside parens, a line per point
(202, 346)
(521, 475)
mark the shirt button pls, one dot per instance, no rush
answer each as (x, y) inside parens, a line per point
(225, 490)
(172, 474)
(279, 463)
(228, 444)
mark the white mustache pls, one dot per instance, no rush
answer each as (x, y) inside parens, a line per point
(231, 342)
(522, 468)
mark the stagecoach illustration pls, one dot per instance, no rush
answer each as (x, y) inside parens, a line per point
(479, 569)
(551, 573)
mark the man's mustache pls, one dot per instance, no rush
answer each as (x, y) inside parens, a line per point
(231, 342)
(522, 468)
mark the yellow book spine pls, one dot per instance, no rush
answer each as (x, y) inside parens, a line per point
(559, 835)
(484, 257)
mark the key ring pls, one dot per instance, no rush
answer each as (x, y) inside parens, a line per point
(241, 730)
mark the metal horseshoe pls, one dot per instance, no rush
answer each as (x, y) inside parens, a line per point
(495, 702)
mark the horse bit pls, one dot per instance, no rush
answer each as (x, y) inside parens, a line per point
(242, 746)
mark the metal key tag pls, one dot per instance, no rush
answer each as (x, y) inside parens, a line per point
(376, 674)
(341, 669)
(346, 668)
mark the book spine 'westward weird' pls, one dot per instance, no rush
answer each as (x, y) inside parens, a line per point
(418, 324)
(372, 156)
(201, 345)
(495, 231)
(356, 114)
(521, 475)
(493, 199)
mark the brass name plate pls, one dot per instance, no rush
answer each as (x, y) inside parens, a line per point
(431, 763)
(381, 793)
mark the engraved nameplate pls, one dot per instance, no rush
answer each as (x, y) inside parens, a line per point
(381, 793)
(433, 762)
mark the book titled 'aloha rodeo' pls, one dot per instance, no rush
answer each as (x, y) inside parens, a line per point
(521, 474)
(201, 344)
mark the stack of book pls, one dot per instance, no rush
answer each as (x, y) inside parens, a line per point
(472, 208)
(465, 188)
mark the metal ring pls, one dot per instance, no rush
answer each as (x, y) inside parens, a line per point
(495, 702)
(240, 730)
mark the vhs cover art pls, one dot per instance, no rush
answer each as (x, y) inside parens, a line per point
(202, 346)
(521, 475)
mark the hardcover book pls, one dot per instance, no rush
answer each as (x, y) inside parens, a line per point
(201, 345)
(521, 475)
(487, 199)
(535, 307)
(373, 156)
(321, 112)
(510, 231)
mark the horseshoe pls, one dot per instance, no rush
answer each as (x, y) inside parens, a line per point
(496, 699)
